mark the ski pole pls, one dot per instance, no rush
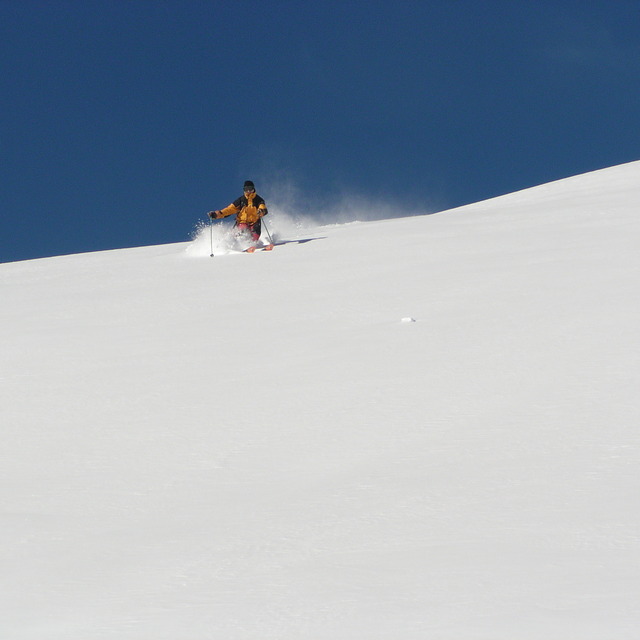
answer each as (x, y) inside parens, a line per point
(211, 234)
(267, 230)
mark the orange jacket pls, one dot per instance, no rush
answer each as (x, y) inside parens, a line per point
(248, 209)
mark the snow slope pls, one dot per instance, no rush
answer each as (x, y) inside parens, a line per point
(257, 446)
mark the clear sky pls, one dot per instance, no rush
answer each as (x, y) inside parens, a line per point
(123, 122)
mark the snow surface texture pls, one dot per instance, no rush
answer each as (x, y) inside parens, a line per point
(405, 429)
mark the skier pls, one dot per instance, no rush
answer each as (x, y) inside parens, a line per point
(249, 210)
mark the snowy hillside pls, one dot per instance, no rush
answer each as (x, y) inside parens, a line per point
(259, 447)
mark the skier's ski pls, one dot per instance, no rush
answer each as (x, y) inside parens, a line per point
(268, 247)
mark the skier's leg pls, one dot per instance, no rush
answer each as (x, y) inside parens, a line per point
(256, 229)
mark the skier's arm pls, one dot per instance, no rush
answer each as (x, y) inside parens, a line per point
(227, 211)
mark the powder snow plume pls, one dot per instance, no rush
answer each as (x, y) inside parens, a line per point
(292, 213)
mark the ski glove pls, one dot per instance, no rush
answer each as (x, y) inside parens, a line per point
(214, 214)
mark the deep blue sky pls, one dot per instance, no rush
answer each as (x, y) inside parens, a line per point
(124, 121)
